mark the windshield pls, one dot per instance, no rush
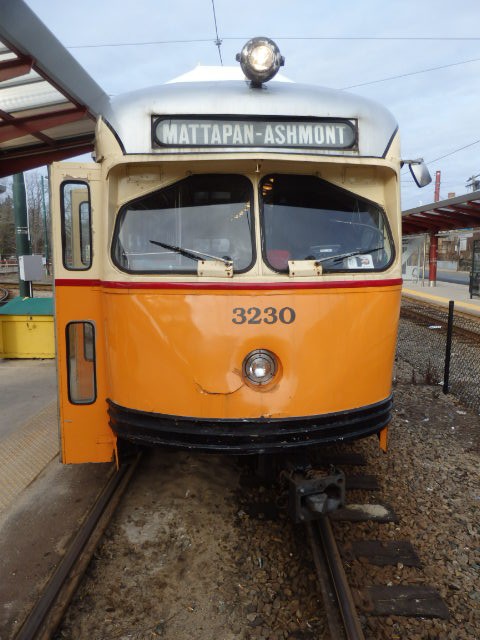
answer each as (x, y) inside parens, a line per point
(204, 217)
(306, 218)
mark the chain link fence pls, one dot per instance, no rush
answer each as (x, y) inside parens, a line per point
(422, 341)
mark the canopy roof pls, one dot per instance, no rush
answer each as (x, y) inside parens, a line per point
(462, 212)
(48, 103)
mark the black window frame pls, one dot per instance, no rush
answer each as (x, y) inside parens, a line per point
(92, 359)
(82, 230)
(341, 191)
(63, 186)
(123, 209)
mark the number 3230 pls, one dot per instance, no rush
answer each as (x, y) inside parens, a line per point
(269, 315)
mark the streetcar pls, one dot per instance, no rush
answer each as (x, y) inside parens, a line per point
(227, 268)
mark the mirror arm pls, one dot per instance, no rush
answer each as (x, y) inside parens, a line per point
(410, 162)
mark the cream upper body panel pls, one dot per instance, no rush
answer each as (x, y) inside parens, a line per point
(129, 164)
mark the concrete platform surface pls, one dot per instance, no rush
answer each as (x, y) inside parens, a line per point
(42, 502)
(442, 293)
(26, 388)
(28, 424)
(35, 533)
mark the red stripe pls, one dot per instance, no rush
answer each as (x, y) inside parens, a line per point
(230, 286)
(65, 282)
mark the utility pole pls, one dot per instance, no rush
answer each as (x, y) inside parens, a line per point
(473, 183)
(22, 238)
(436, 196)
(433, 254)
(45, 229)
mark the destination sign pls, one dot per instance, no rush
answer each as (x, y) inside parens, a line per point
(311, 134)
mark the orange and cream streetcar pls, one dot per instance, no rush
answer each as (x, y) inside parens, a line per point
(227, 270)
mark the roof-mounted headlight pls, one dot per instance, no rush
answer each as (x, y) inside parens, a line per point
(260, 60)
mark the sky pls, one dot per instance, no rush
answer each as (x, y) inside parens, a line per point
(419, 59)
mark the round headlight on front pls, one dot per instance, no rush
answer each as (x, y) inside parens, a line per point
(260, 366)
(260, 60)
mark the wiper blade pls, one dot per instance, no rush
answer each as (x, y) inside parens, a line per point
(183, 252)
(190, 253)
(350, 254)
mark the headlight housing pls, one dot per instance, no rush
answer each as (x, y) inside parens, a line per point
(260, 366)
(260, 60)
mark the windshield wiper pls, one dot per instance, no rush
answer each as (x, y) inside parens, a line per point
(350, 254)
(190, 253)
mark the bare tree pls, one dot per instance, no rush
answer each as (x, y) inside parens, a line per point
(38, 211)
(7, 227)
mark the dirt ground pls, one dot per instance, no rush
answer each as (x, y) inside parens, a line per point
(183, 559)
(194, 552)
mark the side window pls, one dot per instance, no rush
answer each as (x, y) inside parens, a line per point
(76, 226)
(80, 337)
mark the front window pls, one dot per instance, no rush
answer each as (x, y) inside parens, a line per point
(203, 217)
(306, 218)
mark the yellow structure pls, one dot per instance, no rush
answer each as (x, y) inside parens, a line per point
(27, 329)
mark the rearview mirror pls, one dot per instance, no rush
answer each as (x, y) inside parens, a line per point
(420, 172)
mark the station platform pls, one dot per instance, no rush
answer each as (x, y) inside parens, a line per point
(442, 293)
(42, 502)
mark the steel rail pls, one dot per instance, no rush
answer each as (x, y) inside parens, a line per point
(48, 611)
(340, 608)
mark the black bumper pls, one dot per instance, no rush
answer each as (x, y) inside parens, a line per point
(252, 436)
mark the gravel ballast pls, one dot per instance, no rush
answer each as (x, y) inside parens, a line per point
(193, 552)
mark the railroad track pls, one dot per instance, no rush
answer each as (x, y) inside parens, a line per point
(346, 609)
(424, 312)
(343, 605)
(423, 343)
(13, 284)
(48, 611)
(342, 616)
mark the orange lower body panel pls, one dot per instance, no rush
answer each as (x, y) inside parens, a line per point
(179, 352)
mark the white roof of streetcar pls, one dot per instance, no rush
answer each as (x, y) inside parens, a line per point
(224, 91)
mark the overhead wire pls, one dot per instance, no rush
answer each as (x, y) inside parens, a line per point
(298, 38)
(384, 38)
(137, 44)
(411, 73)
(454, 151)
(446, 155)
(218, 42)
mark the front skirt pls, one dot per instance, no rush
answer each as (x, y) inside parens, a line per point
(248, 436)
